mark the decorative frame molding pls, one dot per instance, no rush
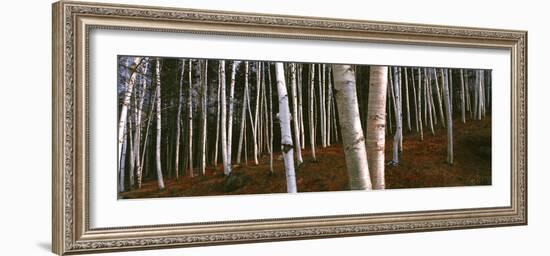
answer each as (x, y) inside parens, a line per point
(72, 21)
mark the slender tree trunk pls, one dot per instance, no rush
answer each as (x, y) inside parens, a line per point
(178, 120)
(218, 119)
(270, 118)
(415, 101)
(311, 112)
(159, 128)
(350, 123)
(286, 135)
(256, 114)
(462, 97)
(149, 118)
(429, 100)
(439, 102)
(329, 106)
(125, 103)
(131, 170)
(398, 116)
(376, 124)
(300, 107)
(137, 142)
(243, 113)
(225, 159)
(122, 164)
(204, 110)
(322, 105)
(190, 116)
(295, 113)
(419, 110)
(407, 107)
(447, 100)
(230, 117)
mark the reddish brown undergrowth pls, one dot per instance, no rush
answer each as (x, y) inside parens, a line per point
(423, 164)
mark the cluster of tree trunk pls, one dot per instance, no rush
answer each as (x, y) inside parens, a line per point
(179, 117)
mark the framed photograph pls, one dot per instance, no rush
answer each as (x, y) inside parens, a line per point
(178, 127)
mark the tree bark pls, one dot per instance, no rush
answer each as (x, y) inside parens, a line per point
(311, 112)
(178, 120)
(295, 113)
(204, 110)
(190, 116)
(230, 117)
(447, 100)
(350, 123)
(398, 116)
(159, 128)
(125, 103)
(286, 135)
(376, 124)
(226, 162)
(243, 113)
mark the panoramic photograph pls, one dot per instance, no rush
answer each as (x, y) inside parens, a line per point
(192, 127)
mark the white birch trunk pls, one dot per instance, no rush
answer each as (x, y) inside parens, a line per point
(295, 113)
(204, 98)
(230, 116)
(124, 107)
(190, 116)
(322, 105)
(243, 113)
(462, 97)
(178, 120)
(270, 119)
(225, 159)
(159, 128)
(218, 119)
(122, 164)
(311, 112)
(300, 107)
(419, 106)
(137, 137)
(439, 101)
(447, 99)
(286, 134)
(398, 116)
(329, 106)
(407, 107)
(256, 114)
(376, 124)
(350, 123)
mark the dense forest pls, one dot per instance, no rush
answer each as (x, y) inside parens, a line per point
(208, 127)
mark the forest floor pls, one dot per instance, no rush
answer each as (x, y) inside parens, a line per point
(422, 164)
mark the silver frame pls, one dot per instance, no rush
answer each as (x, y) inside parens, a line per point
(72, 21)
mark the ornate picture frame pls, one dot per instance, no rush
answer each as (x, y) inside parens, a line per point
(72, 23)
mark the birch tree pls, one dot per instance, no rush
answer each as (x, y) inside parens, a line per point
(256, 114)
(125, 104)
(226, 161)
(243, 113)
(295, 113)
(447, 100)
(178, 120)
(398, 115)
(190, 116)
(230, 116)
(137, 136)
(350, 123)
(462, 97)
(159, 129)
(376, 124)
(286, 135)
(311, 112)
(203, 119)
